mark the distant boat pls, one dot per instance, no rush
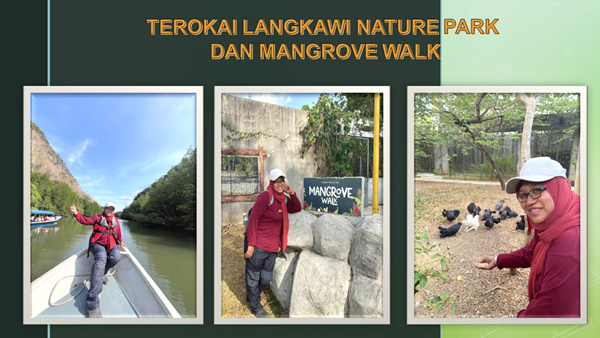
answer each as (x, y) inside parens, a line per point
(130, 293)
(42, 217)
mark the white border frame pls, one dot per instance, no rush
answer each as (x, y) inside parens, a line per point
(411, 91)
(385, 90)
(27, 92)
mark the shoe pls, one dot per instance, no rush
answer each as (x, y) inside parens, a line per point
(104, 280)
(261, 314)
(95, 313)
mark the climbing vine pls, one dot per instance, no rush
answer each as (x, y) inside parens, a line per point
(327, 132)
(236, 135)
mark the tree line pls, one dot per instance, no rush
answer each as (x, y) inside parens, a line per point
(170, 201)
(48, 195)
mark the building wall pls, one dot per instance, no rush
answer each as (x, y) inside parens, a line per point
(283, 147)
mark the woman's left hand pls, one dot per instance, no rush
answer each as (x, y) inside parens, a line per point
(123, 245)
(288, 190)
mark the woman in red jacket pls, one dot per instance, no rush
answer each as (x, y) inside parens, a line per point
(104, 240)
(553, 254)
(266, 235)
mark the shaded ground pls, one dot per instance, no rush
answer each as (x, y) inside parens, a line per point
(233, 284)
(481, 293)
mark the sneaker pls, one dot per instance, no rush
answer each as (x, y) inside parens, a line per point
(95, 313)
(104, 280)
(261, 314)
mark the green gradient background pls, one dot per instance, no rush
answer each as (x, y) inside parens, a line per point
(541, 43)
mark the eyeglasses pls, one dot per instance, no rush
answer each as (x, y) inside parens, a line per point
(111, 209)
(279, 182)
(534, 194)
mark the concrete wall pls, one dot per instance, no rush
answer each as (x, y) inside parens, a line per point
(284, 148)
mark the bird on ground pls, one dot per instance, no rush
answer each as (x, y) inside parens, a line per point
(499, 205)
(510, 213)
(496, 220)
(521, 223)
(503, 214)
(487, 214)
(471, 223)
(473, 209)
(449, 231)
(489, 223)
(450, 214)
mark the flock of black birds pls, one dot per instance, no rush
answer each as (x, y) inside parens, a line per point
(487, 218)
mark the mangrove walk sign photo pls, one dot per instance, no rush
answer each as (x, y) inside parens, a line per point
(334, 195)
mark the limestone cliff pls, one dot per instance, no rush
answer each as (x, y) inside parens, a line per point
(45, 160)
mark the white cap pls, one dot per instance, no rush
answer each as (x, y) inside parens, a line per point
(275, 174)
(539, 169)
(109, 204)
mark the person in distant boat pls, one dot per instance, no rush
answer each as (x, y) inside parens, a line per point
(45, 218)
(266, 235)
(104, 240)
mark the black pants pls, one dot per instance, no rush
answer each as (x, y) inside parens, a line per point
(259, 273)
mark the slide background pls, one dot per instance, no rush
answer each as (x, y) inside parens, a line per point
(108, 43)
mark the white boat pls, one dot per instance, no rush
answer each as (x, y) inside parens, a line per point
(43, 217)
(130, 293)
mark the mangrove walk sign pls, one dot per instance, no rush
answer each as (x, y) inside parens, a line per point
(334, 195)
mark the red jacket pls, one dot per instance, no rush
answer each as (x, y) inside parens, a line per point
(558, 286)
(96, 237)
(266, 222)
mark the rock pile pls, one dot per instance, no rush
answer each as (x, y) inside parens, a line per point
(332, 267)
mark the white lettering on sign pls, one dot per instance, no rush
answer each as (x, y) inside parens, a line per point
(329, 194)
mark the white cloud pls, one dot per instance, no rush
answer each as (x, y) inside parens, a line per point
(77, 153)
(278, 99)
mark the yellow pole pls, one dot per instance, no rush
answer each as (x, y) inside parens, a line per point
(376, 157)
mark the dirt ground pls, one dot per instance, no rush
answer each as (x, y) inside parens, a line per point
(233, 283)
(481, 293)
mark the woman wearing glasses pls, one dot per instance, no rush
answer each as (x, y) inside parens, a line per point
(553, 210)
(266, 235)
(105, 236)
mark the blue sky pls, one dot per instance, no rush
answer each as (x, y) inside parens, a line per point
(291, 100)
(115, 145)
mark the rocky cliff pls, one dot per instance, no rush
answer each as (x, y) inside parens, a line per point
(45, 160)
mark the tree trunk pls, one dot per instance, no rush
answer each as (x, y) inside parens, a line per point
(530, 103)
(498, 172)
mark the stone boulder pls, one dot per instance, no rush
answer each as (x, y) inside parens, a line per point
(366, 256)
(365, 298)
(333, 236)
(320, 287)
(300, 235)
(283, 275)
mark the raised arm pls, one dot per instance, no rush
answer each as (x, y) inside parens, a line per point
(82, 219)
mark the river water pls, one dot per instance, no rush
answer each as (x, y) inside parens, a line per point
(170, 259)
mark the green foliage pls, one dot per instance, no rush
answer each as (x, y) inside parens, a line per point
(58, 197)
(327, 132)
(432, 264)
(171, 200)
(506, 164)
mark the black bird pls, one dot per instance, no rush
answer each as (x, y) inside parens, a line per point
(499, 205)
(449, 231)
(510, 213)
(452, 214)
(489, 223)
(487, 214)
(521, 223)
(503, 214)
(445, 213)
(496, 220)
(471, 208)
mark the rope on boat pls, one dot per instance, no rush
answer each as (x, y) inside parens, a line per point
(80, 289)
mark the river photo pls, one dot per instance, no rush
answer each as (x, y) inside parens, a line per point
(169, 258)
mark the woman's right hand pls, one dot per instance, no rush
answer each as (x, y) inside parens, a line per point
(250, 252)
(73, 209)
(487, 263)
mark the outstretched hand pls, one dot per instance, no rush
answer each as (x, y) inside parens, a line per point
(73, 209)
(487, 263)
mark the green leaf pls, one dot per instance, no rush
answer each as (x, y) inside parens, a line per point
(422, 281)
(443, 263)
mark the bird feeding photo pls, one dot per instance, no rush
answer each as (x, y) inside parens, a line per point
(302, 229)
(110, 195)
(498, 187)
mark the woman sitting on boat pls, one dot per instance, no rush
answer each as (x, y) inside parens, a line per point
(103, 245)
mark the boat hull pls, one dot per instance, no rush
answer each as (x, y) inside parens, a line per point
(132, 293)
